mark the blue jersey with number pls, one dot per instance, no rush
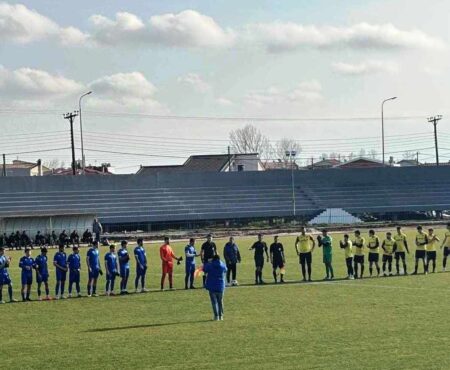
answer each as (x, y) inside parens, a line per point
(74, 261)
(111, 262)
(3, 263)
(123, 254)
(190, 249)
(93, 256)
(60, 259)
(41, 265)
(26, 264)
(141, 256)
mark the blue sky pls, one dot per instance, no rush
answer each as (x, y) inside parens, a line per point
(275, 59)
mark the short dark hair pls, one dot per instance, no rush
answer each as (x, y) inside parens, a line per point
(139, 240)
(371, 231)
(209, 236)
(419, 227)
(399, 227)
(75, 248)
(191, 240)
(216, 257)
(166, 238)
(43, 250)
(345, 235)
(357, 232)
(111, 246)
(123, 242)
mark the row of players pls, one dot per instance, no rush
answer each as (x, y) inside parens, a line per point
(117, 264)
(19, 240)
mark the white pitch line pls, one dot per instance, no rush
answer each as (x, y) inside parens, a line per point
(351, 284)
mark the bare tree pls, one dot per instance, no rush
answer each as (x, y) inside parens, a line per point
(409, 155)
(373, 153)
(54, 163)
(250, 140)
(362, 152)
(286, 145)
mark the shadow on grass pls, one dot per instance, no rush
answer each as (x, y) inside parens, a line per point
(97, 330)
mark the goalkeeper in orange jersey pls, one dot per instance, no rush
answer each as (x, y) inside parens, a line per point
(167, 257)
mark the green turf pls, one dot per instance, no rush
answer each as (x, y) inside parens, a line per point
(380, 323)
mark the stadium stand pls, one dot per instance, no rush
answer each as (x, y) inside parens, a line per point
(168, 197)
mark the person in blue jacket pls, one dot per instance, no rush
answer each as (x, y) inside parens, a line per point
(215, 284)
(232, 258)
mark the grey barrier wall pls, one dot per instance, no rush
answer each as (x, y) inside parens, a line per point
(202, 196)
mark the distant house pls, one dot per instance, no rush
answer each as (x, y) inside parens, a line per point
(210, 163)
(89, 170)
(362, 162)
(280, 165)
(407, 163)
(23, 168)
(324, 164)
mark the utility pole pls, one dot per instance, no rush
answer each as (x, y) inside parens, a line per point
(434, 120)
(71, 118)
(417, 158)
(229, 159)
(4, 164)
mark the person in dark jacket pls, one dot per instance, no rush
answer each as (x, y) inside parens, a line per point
(97, 229)
(232, 258)
(215, 284)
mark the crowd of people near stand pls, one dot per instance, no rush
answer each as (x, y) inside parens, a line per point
(218, 274)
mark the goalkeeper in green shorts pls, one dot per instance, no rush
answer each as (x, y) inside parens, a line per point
(325, 242)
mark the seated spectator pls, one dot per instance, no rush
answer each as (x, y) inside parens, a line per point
(87, 237)
(39, 239)
(64, 239)
(74, 238)
(16, 237)
(105, 241)
(53, 239)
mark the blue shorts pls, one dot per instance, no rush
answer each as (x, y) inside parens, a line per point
(74, 276)
(27, 278)
(93, 274)
(124, 272)
(42, 278)
(190, 268)
(5, 279)
(61, 275)
(111, 276)
(141, 272)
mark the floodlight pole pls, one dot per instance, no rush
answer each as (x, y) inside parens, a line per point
(434, 120)
(291, 154)
(83, 161)
(71, 118)
(382, 123)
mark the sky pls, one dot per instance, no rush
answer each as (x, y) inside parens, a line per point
(315, 71)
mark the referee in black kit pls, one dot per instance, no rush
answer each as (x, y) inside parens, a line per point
(208, 251)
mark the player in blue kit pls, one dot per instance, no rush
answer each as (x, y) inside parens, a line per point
(124, 266)
(112, 269)
(74, 262)
(93, 264)
(4, 276)
(190, 254)
(42, 274)
(60, 263)
(141, 265)
(26, 263)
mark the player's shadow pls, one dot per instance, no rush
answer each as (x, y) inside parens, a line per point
(97, 330)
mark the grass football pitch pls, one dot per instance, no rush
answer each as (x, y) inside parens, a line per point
(379, 323)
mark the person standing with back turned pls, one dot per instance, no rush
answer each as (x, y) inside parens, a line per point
(215, 284)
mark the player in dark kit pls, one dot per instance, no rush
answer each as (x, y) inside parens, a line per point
(260, 248)
(207, 252)
(277, 258)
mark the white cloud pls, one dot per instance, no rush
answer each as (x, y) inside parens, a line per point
(195, 81)
(188, 29)
(278, 37)
(224, 102)
(305, 92)
(28, 83)
(365, 68)
(125, 91)
(22, 25)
